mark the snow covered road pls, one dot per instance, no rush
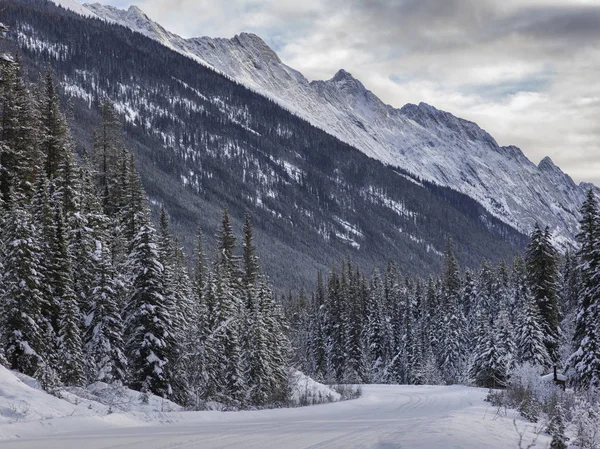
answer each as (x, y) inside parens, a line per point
(385, 417)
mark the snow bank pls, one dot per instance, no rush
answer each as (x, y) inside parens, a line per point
(307, 391)
(25, 408)
(22, 399)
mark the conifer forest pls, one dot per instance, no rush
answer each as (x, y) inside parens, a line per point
(99, 283)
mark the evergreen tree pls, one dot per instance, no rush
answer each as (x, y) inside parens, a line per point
(375, 332)
(585, 361)
(228, 319)
(320, 344)
(107, 154)
(71, 363)
(489, 368)
(354, 365)
(452, 353)
(149, 339)
(530, 337)
(24, 325)
(197, 365)
(542, 272)
(278, 345)
(336, 329)
(55, 134)
(104, 342)
(19, 142)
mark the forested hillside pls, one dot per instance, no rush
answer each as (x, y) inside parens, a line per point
(91, 290)
(202, 141)
(480, 326)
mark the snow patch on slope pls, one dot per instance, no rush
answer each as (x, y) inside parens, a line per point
(72, 5)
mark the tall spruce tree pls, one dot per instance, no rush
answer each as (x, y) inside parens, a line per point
(452, 353)
(104, 343)
(542, 272)
(55, 133)
(148, 324)
(585, 361)
(70, 348)
(24, 326)
(228, 319)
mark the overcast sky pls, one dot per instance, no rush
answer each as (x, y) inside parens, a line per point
(528, 71)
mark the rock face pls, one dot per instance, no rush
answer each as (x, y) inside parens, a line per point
(432, 144)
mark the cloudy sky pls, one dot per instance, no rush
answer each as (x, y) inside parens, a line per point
(528, 71)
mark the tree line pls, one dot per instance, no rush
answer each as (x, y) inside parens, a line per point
(91, 290)
(470, 327)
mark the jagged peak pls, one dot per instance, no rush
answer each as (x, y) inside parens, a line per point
(133, 9)
(430, 117)
(256, 43)
(342, 75)
(547, 165)
(345, 79)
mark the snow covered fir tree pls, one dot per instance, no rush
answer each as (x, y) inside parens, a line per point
(92, 290)
(469, 327)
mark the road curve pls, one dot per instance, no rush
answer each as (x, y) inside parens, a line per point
(385, 417)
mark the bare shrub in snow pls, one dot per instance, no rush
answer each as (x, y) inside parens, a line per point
(20, 409)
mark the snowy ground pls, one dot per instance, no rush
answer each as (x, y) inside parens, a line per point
(385, 417)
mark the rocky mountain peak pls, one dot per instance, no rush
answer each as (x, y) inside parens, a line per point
(255, 45)
(344, 78)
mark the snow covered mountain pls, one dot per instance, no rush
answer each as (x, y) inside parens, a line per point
(433, 144)
(201, 141)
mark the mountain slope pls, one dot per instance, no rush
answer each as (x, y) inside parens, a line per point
(203, 141)
(432, 144)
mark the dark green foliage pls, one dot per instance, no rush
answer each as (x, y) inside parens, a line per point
(585, 361)
(148, 324)
(24, 325)
(542, 272)
(70, 354)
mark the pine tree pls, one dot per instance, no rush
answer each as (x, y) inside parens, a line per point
(148, 324)
(489, 367)
(530, 337)
(320, 344)
(278, 345)
(184, 316)
(55, 134)
(354, 364)
(44, 218)
(23, 324)
(375, 332)
(107, 153)
(556, 426)
(228, 307)
(19, 143)
(585, 361)
(176, 294)
(88, 232)
(104, 344)
(542, 272)
(70, 354)
(452, 353)
(336, 330)
(197, 356)
(255, 339)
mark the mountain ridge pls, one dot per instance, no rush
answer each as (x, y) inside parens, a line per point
(432, 144)
(202, 141)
